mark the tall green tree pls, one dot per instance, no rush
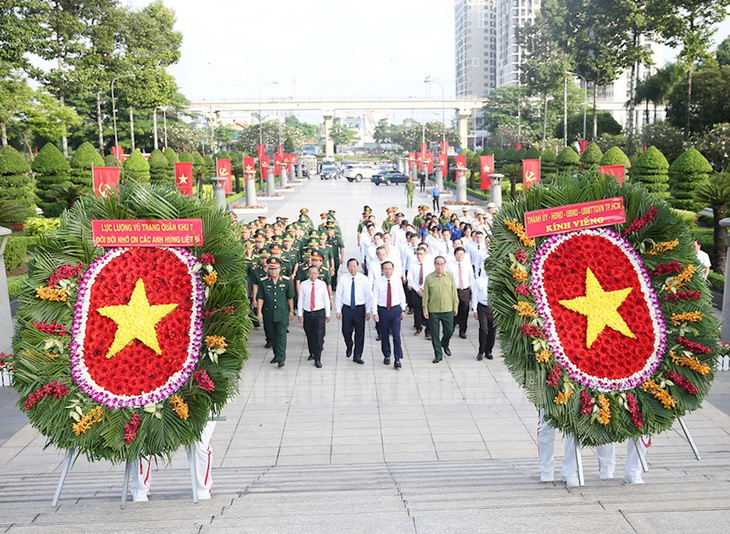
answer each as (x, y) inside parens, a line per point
(716, 194)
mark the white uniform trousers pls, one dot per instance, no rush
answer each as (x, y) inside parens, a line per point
(140, 469)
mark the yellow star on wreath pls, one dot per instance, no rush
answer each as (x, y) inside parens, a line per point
(601, 308)
(136, 320)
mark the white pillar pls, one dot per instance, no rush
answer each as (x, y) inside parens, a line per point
(329, 146)
(463, 116)
(495, 194)
(461, 186)
(6, 317)
(250, 188)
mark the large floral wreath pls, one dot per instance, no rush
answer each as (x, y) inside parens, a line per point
(126, 352)
(610, 330)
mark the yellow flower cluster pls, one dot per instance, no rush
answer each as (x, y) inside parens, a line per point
(660, 394)
(686, 317)
(519, 231)
(679, 281)
(525, 309)
(662, 246)
(519, 274)
(543, 356)
(562, 398)
(211, 278)
(215, 342)
(604, 410)
(51, 293)
(180, 407)
(692, 362)
(93, 416)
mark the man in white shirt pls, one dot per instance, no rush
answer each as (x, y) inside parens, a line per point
(463, 274)
(313, 308)
(373, 247)
(483, 313)
(419, 269)
(478, 252)
(353, 305)
(703, 257)
(390, 300)
(436, 245)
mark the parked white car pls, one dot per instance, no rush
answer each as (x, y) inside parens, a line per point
(356, 173)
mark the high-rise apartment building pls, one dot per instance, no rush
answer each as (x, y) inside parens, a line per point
(476, 54)
(510, 15)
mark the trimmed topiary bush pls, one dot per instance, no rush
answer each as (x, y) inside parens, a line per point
(136, 168)
(689, 171)
(198, 166)
(591, 156)
(83, 159)
(548, 164)
(532, 153)
(511, 156)
(651, 169)
(158, 167)
(15, 185)
(172, 158)
(51, 170)
(615, 156)
(111, 161)
(16, 250)
(568, 160)
(210, 169)
(185, 157)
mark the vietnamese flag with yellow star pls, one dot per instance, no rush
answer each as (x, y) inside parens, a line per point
(184, 178)
(249, 164)
(104, 179)
(486, 167)
(530, 172)
(264, 163)
(223, 167)
(443, 161)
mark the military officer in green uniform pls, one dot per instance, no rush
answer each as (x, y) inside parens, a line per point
(276, 307)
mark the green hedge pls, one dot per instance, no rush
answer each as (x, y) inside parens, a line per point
(51, 170)
(15, 182)
(159, 167)
(82, 160)
(16, 285)
(40, 226)
(686, 173)
(172, 158)
(651, 169)
(716, 281)
(568, 160)
(15, 253)
(136, 168)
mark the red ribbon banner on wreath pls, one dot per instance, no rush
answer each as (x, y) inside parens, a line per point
(104, 179)
(184, 178)
(223, 167)
(486, 167)
(530, 172)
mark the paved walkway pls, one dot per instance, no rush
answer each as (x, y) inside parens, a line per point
(364, 448)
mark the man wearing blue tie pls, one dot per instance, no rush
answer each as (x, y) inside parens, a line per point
(353, 305)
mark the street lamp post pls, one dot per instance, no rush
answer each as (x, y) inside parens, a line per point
(443, 106)
(261, 134)
(585, 99)
(114, 106)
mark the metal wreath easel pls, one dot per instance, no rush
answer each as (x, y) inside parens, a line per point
(639, 451)
(127, 468)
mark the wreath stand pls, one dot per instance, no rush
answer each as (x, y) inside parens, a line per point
(127, 467)
(639, 451)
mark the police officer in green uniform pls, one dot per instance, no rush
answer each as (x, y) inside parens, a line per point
(276, 307)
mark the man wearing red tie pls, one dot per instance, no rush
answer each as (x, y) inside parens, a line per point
(463, 273)
(390, 299)
(420, 268)
(313, 308)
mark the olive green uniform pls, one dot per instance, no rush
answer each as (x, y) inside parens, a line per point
(274, 301)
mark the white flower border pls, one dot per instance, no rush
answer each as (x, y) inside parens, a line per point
(650, 297)
(79, 370)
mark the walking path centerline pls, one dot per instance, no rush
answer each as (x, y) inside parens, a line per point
(461, 410)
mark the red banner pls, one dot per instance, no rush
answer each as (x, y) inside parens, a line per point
(118, 152)
(429, 161)
(460, 163)
(530, 172)
(619, 171)
(424, 148)
(104, 179)
(223, 168)
(279, 150)
(443, 161)
(575, 217)
(249, 166)
(260, 151)
(486, 167)
(184, 177)
(518, 146)
(278, 162)
(293, 159)
(583, 144)
(264, 163)
(145, 233)
(444, 147)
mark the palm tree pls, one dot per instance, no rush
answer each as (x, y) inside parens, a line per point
(716, 193)
(70, 193)
(11, 212)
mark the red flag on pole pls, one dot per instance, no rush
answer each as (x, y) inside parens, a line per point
(260, 151)
(618, 171)
(518, 146)
(530, 172)
(249, 165)
(411, 159)
(419, 160)
(583, 144)
(424, 147)
(444, 147)
(184, 178)
(443, 161)
(117, 152)
(486, 167)
(104, 179)
(278, 161)
(460, 163)
(280, 151)
(428, 160)
(223, 167)
(264, 163)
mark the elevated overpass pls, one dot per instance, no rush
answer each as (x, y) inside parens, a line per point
(232, 110)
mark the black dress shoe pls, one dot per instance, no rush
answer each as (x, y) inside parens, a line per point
(377, 338)
(281, 364)
(318, 364)
(310, 358)
(480, 356)
(268, 345)
(462, 335)
(397, 364)
(358, 360)
(489, 356)
(386, 361)
(273, 360)
(447, 351)
(436, 360)
(348, 352)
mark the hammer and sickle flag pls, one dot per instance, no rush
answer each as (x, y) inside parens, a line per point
(223, 167)
(530, 173)
(184, 178)
(460, 162)
(105, 178)
(486, 167)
